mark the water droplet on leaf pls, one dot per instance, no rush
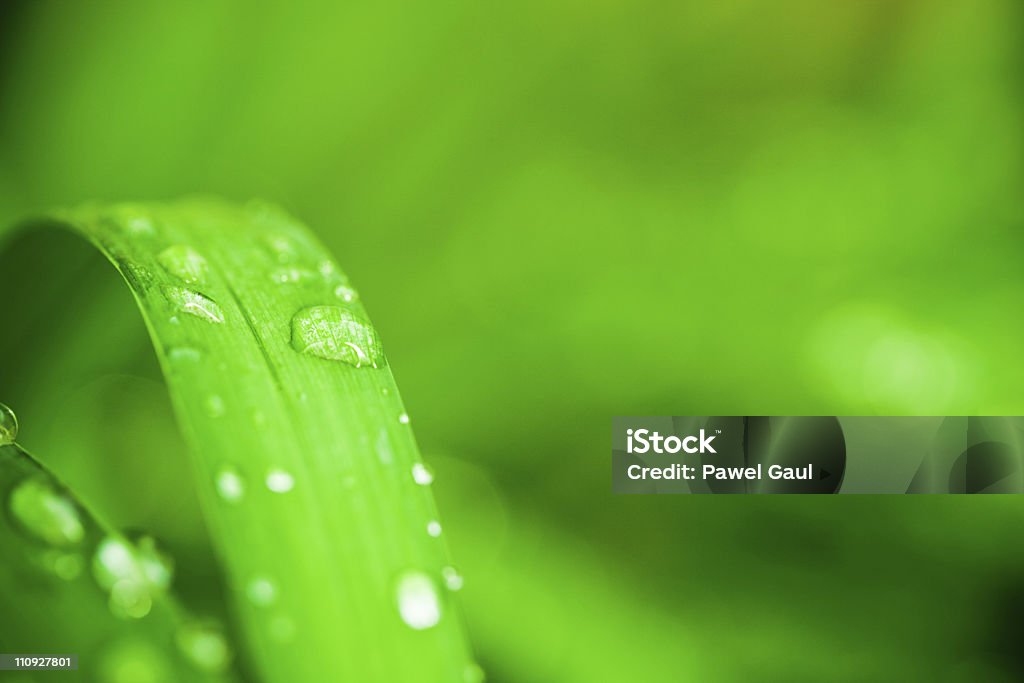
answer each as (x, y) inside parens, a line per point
(422, 475)
(8, 425)
(230, 486)
(46, 513)
(346, 293)
(204, 644)
(261, 591)
(292, 275)
(336, 334)
(214, 406)
(452, 579)
(418, 602)
(434, 528)
(184, 263)
(194, 304)
(473, 673)
(280, 481)
(404, 418)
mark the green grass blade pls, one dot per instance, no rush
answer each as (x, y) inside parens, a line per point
(306, 467)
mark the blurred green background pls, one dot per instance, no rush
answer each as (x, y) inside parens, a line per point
(561, 211)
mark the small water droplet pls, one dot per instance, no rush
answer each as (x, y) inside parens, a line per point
(67, 566)
(418, 602)
(452, 579)
(336, 334)
(46, 513)
(214, 406)
(157, 566)
(473, 673)
(204, 644)
(346, 293)
(184, 354)
(230, 485)
(133, 220)
(434, 528)
(280, 481)
(403, 418)
(422, 475)
(194, 304)
(8, 425)
(184, 263)
(261, 591)
(292, 275)
(281, 248)
(327, 268)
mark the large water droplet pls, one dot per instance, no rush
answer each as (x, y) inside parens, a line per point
(8, 425)
(230, 486)
(194, 304)
(422, 475)
(261, 591)
(46, 513)
(334, 333)
(418, 602)
(184, 263)
(280, 481)
(204, 644)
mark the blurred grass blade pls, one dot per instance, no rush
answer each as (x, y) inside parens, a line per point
(73, 586)
(309, 478)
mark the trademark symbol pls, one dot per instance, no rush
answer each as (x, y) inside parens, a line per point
(718, 431)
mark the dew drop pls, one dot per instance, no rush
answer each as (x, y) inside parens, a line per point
(418, 602)
(230, 486)
(184, 354)
(261, 591)
(134, 220)
(434, 528)
(46, 513)
(280, 481)
(67, 566)
(473, 673)
(157, 566)
(8, 425)
(214, 406)
(384, 452)
(184, 263)
(327, 268)
(452, 579)
(291, 275)
(194, 304)
(281, 248)
(204, 644)
(346, 293)
(336, 334)
(422, 475)
(403, 418)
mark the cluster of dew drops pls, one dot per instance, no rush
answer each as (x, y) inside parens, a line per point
(132, 571)
(332, 332)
